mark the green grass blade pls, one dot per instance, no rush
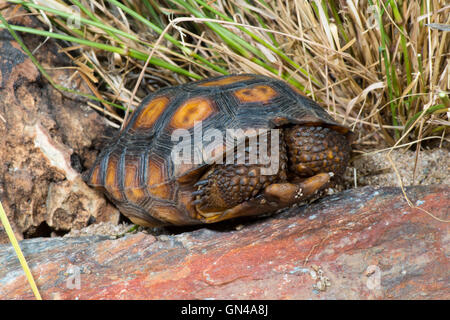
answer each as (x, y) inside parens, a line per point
(388, 69)
(430, 110)
(168, 37)
(259, 40)
(94, 18)
(122, 51)
(153, 13)
(106, 28)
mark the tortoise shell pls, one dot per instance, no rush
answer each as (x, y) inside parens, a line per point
(136, 170)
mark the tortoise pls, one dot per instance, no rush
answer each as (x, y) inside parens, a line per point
(139, 173)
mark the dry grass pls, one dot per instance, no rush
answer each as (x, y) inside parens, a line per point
(375, 65)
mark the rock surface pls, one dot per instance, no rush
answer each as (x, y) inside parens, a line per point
(364, 243)
(43, 134)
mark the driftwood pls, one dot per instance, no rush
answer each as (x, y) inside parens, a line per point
(360, 244)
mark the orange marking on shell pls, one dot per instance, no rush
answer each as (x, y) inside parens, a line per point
(111, 181)
(156, 180)
(259, 93)
(133, 190)
(195, 109)
(225, 81)
(150, 113)
(94, 179)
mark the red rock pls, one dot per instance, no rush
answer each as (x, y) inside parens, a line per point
(360, 244)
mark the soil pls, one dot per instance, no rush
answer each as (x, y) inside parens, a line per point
(102, 228)
(375, 169)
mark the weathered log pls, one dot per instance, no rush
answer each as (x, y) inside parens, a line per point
(363, 243)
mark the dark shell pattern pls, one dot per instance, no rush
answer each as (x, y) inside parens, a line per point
(136, 170)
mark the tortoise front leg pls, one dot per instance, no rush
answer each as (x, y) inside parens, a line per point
(274, 197)
(226, 186)
(286, 194)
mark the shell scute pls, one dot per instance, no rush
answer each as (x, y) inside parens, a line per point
(134, 187)
(258, 93)
(191, 111)
(157, 179)
(113, 177)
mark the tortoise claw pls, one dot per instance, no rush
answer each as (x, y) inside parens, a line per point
(198, 193)
(201, 183)
(197, 202)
